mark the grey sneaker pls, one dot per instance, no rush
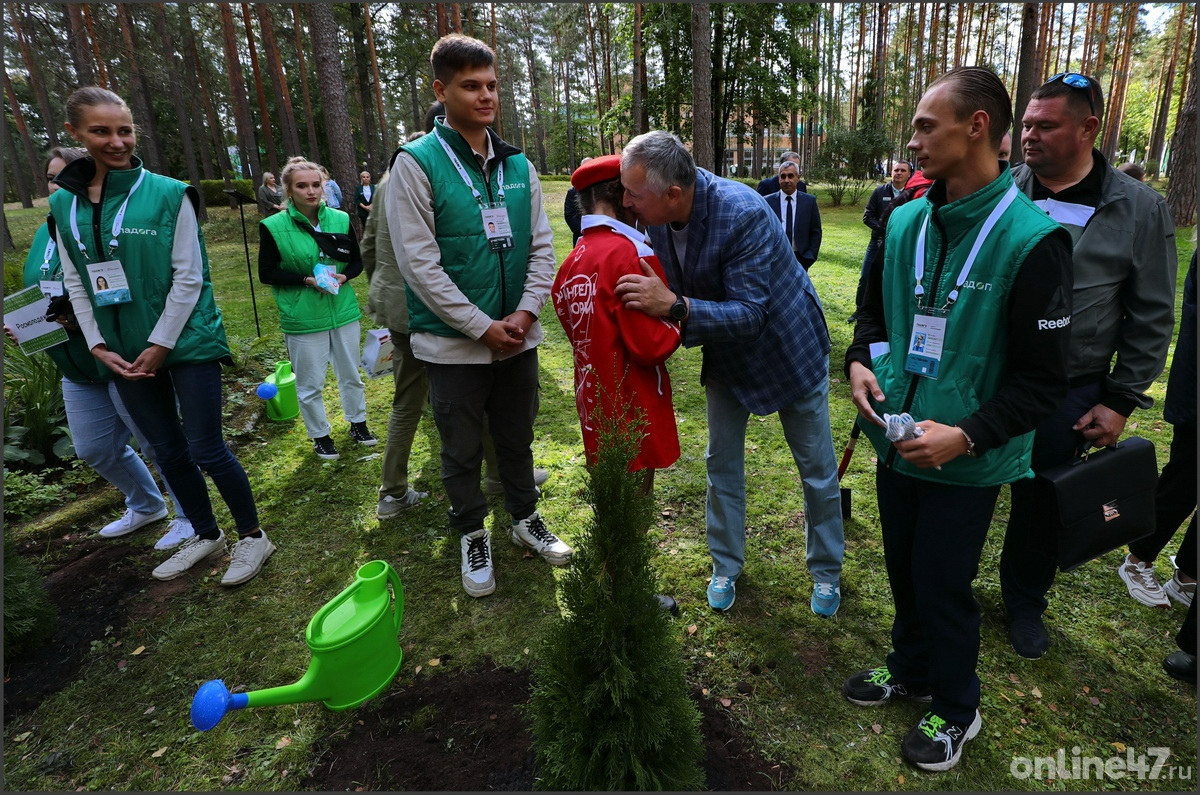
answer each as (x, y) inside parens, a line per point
(390, 506)
(1142, 584)
(1180, 591)
(531, 532)
(249, 555)
(131, 520)
(478, 576)
(191, 552)
(492, 486)
(178, 531)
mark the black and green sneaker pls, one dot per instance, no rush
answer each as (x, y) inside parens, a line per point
(874, 687)
(935, 744)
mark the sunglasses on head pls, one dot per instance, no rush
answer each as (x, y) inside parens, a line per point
(1076, 80)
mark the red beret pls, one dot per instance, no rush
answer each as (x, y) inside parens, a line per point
(598, 169)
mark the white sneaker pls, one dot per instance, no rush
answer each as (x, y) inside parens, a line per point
(531, 532)
(249, 554)
(478, 576)
(178, 531)
(390, 506)
(1140, 580)
(1180, 591)
(191, 552)
(130, 521)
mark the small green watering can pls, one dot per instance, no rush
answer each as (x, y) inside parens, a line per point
(355, 652)
(279, 391)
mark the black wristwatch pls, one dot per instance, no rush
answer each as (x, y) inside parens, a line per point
(679, 310)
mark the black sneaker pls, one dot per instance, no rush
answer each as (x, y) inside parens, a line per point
(935, 744)
(324, 448)
(1028, 637)
(874, 687)
(361, 434)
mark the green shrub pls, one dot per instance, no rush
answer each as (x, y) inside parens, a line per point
(26, 495)
(29, 615)
(35, 419)
(610, 705)
(211, 190)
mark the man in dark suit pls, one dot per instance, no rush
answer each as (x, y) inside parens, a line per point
(736, 291)
(797, 211)
(771, 184)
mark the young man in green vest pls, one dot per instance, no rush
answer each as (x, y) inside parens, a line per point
(478, 260)
(965, 328)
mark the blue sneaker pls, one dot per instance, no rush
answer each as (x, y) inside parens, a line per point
(721, 593)
(826, 599)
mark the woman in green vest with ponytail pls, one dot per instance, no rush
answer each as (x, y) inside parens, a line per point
(156, 326)
(319, 313)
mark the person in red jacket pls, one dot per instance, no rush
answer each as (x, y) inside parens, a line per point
(619, 353)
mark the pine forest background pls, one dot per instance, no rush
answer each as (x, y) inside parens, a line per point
(227, 90)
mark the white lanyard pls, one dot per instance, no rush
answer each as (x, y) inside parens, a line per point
(53, 244)
(1009, 196)
(462, 172)
(117, 221)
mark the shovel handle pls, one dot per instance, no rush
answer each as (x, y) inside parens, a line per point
(849, 451)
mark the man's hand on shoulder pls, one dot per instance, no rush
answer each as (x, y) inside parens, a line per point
(645, 292)
(1101, 425)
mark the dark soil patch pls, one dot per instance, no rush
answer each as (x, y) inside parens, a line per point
(466, 733)
(97, 583)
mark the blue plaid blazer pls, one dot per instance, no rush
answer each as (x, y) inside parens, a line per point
(753, 308)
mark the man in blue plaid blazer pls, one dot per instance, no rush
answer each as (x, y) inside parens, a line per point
(737, 290)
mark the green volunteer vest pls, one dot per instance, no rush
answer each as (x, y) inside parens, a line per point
(146, 240)
(304, 310)
(73, 356)
(974, 351)
(492, 281)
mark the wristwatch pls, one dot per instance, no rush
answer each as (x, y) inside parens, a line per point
(679, 309)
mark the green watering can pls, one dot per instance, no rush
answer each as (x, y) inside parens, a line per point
(355, 652)
(279, 391)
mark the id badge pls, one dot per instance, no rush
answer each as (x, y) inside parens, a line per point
(51, 288)
(496, 227)
(924, 356)
(109, 284)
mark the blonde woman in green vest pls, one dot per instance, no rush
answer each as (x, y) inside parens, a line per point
(157, 327)
(320, 325)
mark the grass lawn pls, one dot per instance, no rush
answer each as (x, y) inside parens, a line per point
(123, 723)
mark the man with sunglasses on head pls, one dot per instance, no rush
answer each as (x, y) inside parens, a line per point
(1123, 303)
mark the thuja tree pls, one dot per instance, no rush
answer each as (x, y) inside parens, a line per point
(610, 706)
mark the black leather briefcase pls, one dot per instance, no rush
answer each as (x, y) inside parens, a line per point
(1100, 501)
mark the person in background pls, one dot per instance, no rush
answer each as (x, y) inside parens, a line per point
(798, 213)
(363, 195)
(1133, 170)
(571, 212)
(1006, 147)
(99, 423)
(320, 327)
(167, 344)
(333, 191)
(1125, 264)
(771, 184)
(270, 195)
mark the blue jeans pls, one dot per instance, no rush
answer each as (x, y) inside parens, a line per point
(179, 412)
(806, 428)
(100, 429)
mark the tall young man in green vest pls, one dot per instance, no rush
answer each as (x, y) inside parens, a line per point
(965, 328)
(478, 261)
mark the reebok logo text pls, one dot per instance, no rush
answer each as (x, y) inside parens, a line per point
(1062, 322)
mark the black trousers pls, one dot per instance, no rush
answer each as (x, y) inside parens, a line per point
(933, 535)
(1174, 501)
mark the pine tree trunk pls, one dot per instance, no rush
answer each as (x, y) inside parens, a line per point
(310, 120)
(455, 18)
(20, 175)
(332, 86)
(264, 114)
(1181, 191)
(139, 96)
(639, 88)
(77, 40)
(34, 70)
(1162, 111)
(247, 144)
(96, 59)
(385, 136)
(279, 84)
(443, 24)
(215, 130)
(1026, 75)
(702, 106)
(1115, 111)
(36, 186)
(362, 84)
(595, 64)
(182, 116)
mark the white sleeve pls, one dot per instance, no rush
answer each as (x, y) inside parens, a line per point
(187, 279)
(81, 305)
(542, 265)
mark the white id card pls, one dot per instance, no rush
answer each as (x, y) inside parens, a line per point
(51, 288)
(496, 227)
(925, 346)
(109, 284)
